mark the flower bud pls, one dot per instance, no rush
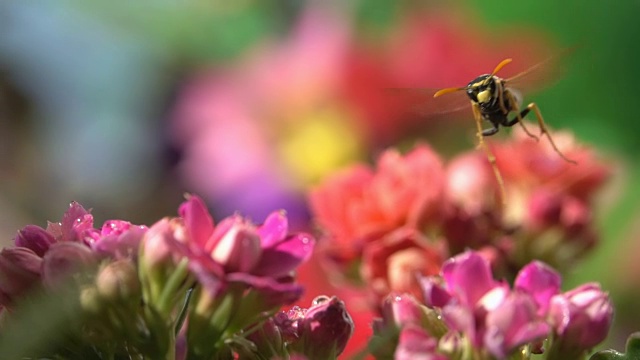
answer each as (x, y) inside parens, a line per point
(19, 271)
(35, 238)
(325, 329)
(64, 259)
(118, 281)
(581, 318)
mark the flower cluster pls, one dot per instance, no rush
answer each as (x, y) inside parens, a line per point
(182, 288)
(412, 211)
(468, 314)
(43, 257)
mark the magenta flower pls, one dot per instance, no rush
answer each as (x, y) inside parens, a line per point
(581, 318)
(118, 239)
(512, 323)
(319, 332)
(486, 311)
(255, 255)
(47, 256)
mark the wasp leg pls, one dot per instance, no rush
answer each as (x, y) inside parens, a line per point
(492, 159)
(544, 131)
(519, 116)
(491, 131)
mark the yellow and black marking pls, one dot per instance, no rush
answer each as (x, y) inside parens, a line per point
(493, 101)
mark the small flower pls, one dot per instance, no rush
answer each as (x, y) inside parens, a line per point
(240, 247)
(487, 312)
(323, 330)
(118, 239)
(581, 318)
(118, 282)
(512, 323)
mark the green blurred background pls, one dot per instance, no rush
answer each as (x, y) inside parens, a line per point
(100, 102)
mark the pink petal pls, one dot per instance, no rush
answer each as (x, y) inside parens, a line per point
(468, 277)
(541, 282)
(75, 221)
(416, 344)
(35, 238)
(274, 229)
(197, 219)
(434, 294)
(284, 257)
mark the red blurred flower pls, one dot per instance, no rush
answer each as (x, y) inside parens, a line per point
(359, 205)
(526, 164)
(392, 263)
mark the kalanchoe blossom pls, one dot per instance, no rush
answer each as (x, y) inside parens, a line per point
(487, 312)
(581, 319)
(48, 256)
(499, 320)
(319, 332)
(360, 204)
(235, 246)
(241, 270)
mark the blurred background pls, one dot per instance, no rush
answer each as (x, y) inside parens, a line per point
(125, 106)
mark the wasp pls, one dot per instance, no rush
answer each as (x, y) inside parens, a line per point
(493, 101)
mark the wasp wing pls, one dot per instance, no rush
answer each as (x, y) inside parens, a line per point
(542, 74)
(420, 101)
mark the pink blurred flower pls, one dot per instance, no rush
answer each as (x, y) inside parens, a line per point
(359, 205)
(250, 109)
(581, 318)
(417, 329)
(415, 343)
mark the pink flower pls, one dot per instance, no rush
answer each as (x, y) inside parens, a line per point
(48, 256)
(513, 322)
(359, 205)
(319, 332)
(581, 318)
(239, 247)
(486, 311)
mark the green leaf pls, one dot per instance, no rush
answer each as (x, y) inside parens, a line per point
(632, 353)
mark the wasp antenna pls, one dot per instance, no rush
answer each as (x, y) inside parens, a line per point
(502, 64)
(446, 91)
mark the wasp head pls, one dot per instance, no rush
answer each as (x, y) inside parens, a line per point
(482, 90)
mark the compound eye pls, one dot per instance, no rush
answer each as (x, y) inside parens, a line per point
(484, 95)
